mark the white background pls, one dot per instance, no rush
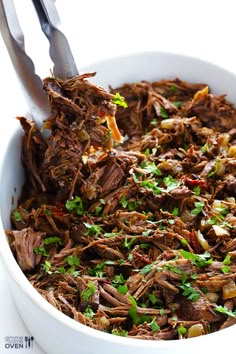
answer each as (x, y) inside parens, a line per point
(101, 29)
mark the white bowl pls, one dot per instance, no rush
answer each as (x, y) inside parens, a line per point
(54, 331)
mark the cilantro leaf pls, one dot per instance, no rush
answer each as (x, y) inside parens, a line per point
(73, 261)
(225, 311)
(199, 260)
(87, 293)
(75, 204)
(119, 101)
(17, 215)
(198, 208)
(52, 239)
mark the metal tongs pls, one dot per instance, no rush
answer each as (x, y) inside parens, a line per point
(59, 50)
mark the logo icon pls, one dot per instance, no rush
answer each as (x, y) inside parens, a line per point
(19, 342)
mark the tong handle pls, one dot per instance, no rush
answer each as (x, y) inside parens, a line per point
(24, 67)
(59, 50)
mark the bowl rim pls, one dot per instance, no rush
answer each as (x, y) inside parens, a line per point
(33, 295)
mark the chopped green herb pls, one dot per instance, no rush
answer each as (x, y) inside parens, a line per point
(47, 267)
(121, 333)
(205, 148)
(124, 201)
(153, 299)
(73, 261)
(128, 244)
(190, 292)
(199, 260)
(17, 215)
(75, 204)
(183, 242)
(41, 250)
(213, 172)
(122, 289)
(51, 240)
(181, 330)
(153, 186)
(163, 113)
(171, 183)
(61, 270)
(118, 280)
(153, 324)
(175, 211)
(152, 168)
(87, 293)
(119, 101)
(225, 269)
(88, 312)
(146, 269)
(198, 208)
(92, 229)
(197, 190)
(227, 260)
(112, 234)
(146, 233)
(178, 104)
(153, 122)
(173, 89)
(225, 311)
(48, 212)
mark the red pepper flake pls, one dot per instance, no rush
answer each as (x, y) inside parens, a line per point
(194, 242)
(195, 182)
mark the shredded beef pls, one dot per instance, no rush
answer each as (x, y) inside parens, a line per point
(130, 228)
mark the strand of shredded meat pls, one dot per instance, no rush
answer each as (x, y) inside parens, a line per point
(135, 238)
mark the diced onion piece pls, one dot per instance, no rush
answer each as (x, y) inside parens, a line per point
(232, 151)
(85, 159)
(168, 123)
(224, 140)
(220, 169)
(229, 290)
(201, 93)
(104, 321)
(196, 330)
(212, 297)
(220, 231)
(203, 242)
(111, 123)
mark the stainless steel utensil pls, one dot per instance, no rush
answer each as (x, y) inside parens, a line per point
(60, 53)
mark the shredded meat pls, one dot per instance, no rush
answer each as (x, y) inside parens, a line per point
(127, 218)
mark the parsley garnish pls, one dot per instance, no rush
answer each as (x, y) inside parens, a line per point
(181, 330)
(52, 239)
(41, 250)
(87, 293)
(199, 260)
(88, 312)
(225, 311)
(177, 104)
(73, 261)
(92, 229)
(47, 267)
(75, 204)
(163, 113)
(152, 168)
(190, 292)
(153, 324)
(17, 215)
(198, 208)
(170, 183)
(197, 190)
(119, 101)
(128, 244)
